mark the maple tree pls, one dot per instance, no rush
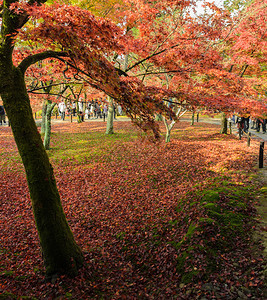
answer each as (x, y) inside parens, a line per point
(92, 46)
(169, 41)
(193, 52)
(73, 29)
(156, 46)
(247, 52)
(245, 55)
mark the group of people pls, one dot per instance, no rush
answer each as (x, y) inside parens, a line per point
(96, 108)
(245, 121)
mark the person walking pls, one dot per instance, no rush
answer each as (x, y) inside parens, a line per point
(62, 110)
(105, 111)
(2, 115)
(258, 124)
(73, 107)
(264, 123)
(80, 106)
(119, 110)
(240, 122)
(246, 123)
(114, 111)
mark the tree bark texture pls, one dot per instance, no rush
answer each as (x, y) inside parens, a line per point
(79, 117)
(47, 136)
(110, 117)
(60, 251)
(179, 113)
(223, 124)
(44, 108)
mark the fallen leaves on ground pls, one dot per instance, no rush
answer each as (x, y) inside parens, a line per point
(135, 209)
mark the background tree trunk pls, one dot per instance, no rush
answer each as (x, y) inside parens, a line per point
(44, 107)
(168, 130)
(193, 118)
(179, 113)
(110, 117)
(158, 117)
(60, 251)
(79, 117)
(223, 124)
(50, 107)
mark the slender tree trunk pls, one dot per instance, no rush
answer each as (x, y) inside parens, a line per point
(50, 107)
(44, 108)
(168, 136)
(110, 129)
(193, 118)
(158, 117)
(60, 251)
(168, 130)
(223, 124)
(170, 126)
(79, 117)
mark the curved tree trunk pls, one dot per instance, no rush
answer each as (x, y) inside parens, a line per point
(168, 136)
(170, 126)
(60, 251)
(223, 124)
(110, 117)
(168, 130)
(47, 136)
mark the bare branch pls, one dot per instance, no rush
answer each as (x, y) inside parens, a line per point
(36, 88)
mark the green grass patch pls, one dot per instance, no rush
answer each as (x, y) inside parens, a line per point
(225, 214)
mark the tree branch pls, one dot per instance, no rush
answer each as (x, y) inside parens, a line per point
(150, 56)
(162, 72)
(36, 88)
(51, 94)
(32, 59)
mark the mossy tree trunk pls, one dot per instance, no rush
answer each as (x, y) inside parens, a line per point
(223, 124)
(109, 129)
(47, 136)
(60, 251)
(44, 108)
(46, 88)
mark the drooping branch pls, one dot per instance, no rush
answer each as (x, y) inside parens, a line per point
(162, 72)
(155, 53)
(32, 59)
(150, 56)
